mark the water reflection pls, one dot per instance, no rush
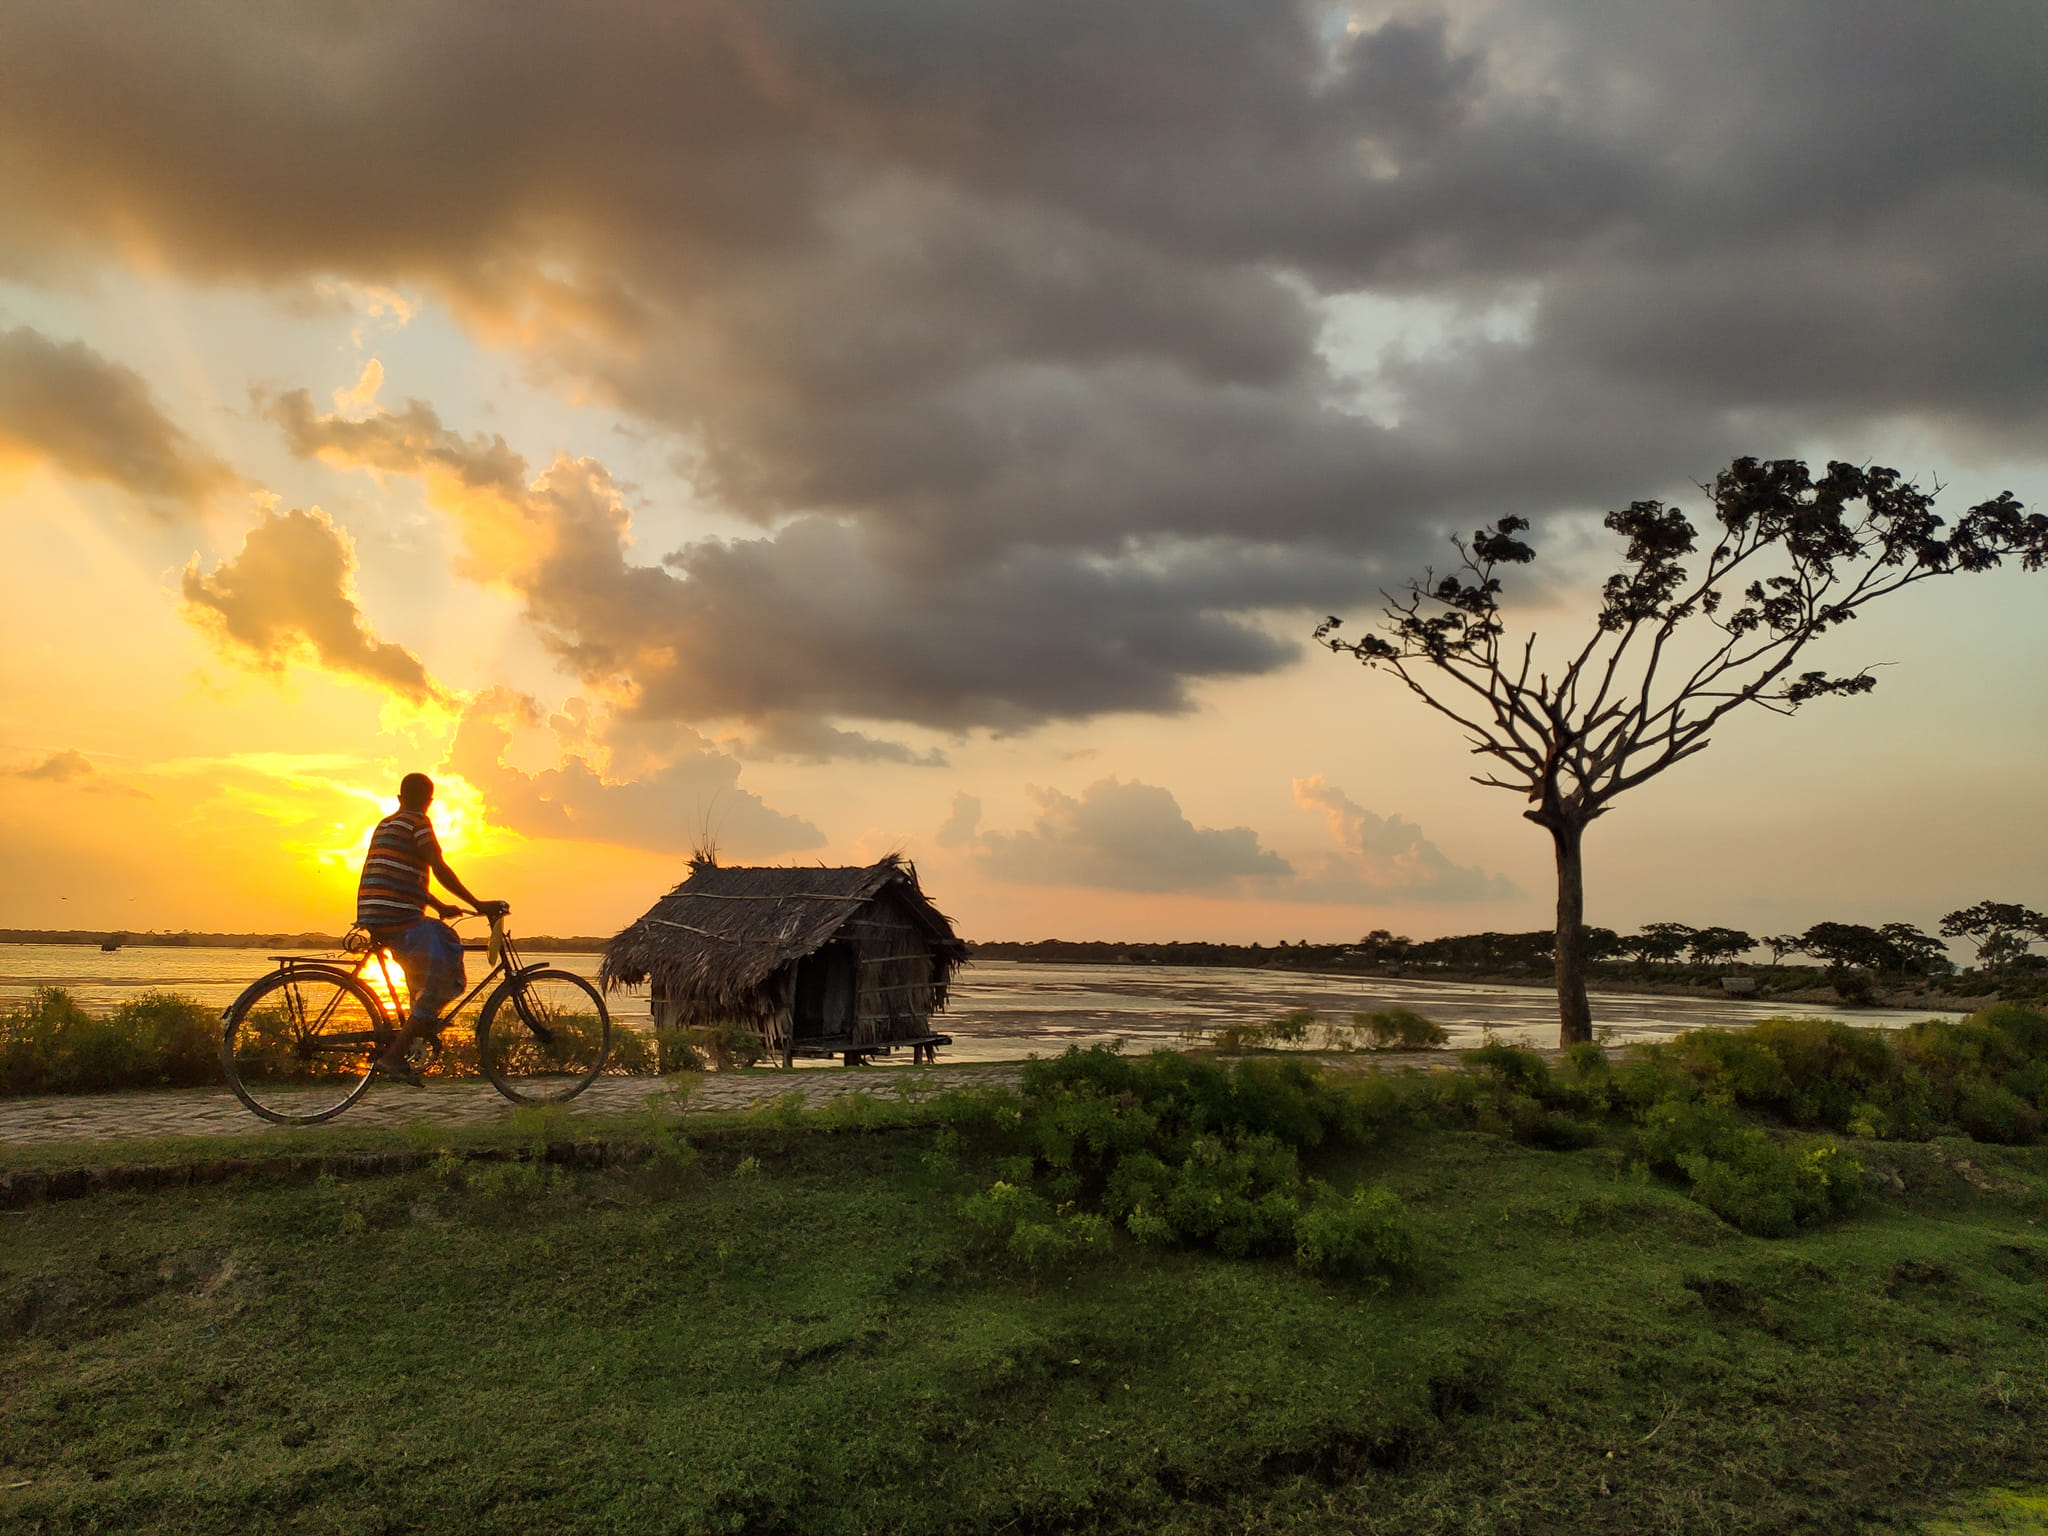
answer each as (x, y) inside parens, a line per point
(1003, 1011)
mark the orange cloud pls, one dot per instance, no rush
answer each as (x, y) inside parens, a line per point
(74, 768)
(289, 595)
(1384, 857)
(656, 786)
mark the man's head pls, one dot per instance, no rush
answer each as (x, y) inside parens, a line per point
(415, 792)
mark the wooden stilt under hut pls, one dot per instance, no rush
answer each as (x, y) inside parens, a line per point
(818, 962)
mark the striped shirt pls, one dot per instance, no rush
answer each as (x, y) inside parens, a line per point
(393, 890)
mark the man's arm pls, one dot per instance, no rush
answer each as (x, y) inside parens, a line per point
(452, 882)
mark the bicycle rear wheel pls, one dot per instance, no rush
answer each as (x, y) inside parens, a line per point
(297, 1045)
(543, 1036)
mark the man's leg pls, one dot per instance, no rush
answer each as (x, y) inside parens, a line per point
(430, 954)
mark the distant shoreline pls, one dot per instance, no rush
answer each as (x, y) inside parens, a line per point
(1328, 960)
(97, 938)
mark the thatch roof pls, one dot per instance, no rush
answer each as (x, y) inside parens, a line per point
(724, 933)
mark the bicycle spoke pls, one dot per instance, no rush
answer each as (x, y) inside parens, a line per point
(543, 1036)
(298, 1044)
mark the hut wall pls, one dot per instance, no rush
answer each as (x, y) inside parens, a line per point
(827, 992)
(896, 995)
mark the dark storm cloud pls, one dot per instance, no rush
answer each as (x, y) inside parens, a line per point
(806, 739)
(290, 592)
(1012, 308)
(818, 618)
(93, 418)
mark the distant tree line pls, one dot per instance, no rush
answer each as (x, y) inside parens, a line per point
(2002, 934)
(574, 944)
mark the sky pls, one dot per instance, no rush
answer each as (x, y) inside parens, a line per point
(937, 426)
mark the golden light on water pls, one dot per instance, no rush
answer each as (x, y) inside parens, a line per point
(383, 977)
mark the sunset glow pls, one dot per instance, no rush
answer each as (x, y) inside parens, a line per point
(859, 460)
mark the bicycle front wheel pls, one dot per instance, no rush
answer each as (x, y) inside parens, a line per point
(297, 1045)
(543, 1036)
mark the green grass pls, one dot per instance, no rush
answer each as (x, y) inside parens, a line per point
(796, 1330)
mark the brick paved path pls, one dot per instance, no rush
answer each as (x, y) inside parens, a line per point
(217, 1112)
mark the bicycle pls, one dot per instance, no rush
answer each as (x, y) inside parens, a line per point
(298, 1043)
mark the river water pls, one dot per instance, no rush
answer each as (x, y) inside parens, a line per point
(1004, 1011)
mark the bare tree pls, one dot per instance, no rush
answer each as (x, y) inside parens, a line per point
(1671, 653)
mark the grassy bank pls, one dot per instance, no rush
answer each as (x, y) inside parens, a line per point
(1243, 1298)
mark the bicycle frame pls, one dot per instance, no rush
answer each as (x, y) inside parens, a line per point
(378, 964)
(505, 962)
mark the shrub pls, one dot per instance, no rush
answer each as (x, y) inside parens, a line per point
(1366, 1235)
(1807, 1072)
(676, 1051)
(1765, 1186)
(698, 1047)
(1532, 1124)
(517, 1180)
(632, 1052)
(1516, 1091)
(1399, 1029)
(784, 1110)
(2026, 1027)
(1234, 1039)
(1291, 1028)
(1178, 1149)
(1239, 1198)
(1017, 1222)
(48, 1044)
(1992, 1112)
(1511, 1067)
(183, 1036)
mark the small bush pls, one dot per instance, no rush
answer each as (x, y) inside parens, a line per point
(722, 1047)
(2026, 1027)
(1291, 1028)
(1015, 1221)
(1235, 1039)
(1400, 1029)
(182, 1034)
(631, 1052)
(1180, 1149)
(677, 1051)
(1808, 1072)
(1991, 1112)
(1368, 1235)
(518, 1181)
(1765, 1186)
(48, 1044)
(785, 1110)
(1511, 1067)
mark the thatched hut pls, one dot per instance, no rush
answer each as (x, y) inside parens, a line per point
(819, 962)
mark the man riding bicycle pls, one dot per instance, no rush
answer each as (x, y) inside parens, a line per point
(392, 901)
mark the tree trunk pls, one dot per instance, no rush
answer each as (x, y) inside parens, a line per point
(1574, 1013)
